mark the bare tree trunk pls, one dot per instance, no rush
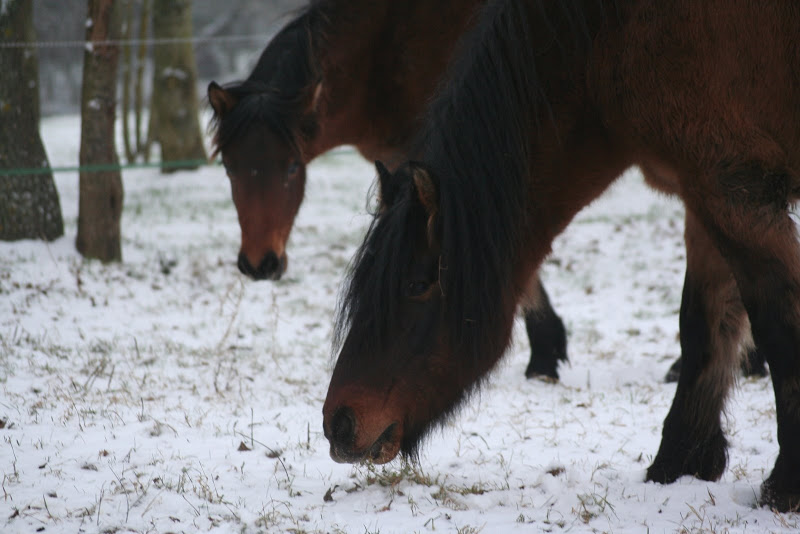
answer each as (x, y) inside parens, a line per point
(174, 123)
(100, 203)
(127, 67)
(142, 147)
(132, 78)
(29, 205)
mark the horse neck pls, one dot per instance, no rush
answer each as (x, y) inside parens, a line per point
(380, 63)
(496, 119)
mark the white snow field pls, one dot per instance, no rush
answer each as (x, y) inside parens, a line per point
(169, 393)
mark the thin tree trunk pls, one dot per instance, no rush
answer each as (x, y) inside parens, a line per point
(142, 147)
(101, 195)
(174, 121)
(29, 205)
(127, 67)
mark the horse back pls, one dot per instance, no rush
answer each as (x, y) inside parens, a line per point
(700, 83)
(381, 66)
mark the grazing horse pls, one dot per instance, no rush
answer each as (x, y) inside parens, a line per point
(546, 104)
(354, 72)
(342, 72)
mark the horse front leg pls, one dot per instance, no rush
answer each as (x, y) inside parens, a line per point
(712, 319)
(546, 333)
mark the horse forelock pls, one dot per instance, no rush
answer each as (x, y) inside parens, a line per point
(278, 90)
(257, 106)
(369, 301)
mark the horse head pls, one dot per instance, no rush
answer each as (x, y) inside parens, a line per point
(397, 374)
(262, 154)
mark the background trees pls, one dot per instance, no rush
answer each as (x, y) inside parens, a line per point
(29, 204)
(61, 67)
(174, 122)
(100, 200)
(213, 42)
(133, 77)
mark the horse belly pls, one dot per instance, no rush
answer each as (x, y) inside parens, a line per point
(660, 176)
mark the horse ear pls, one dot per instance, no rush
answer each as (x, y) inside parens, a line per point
(387, 183)
(220, 99)
(426, 189)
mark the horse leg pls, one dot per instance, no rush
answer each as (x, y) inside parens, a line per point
(546, 333)
(754, 364)
(744, 209)
(711, 321)
(674, 372)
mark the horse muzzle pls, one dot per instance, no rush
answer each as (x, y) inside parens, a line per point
(351, 443)
(271, 267)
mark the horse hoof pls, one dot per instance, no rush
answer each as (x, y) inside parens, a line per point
(758, 371)
(775, 499)
(540, 373)
(542, 378)
(675, 459)
(674, 372)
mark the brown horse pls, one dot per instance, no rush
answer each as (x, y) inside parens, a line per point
(355, 72)
(545, 106)
(342, 72)
(300, 101)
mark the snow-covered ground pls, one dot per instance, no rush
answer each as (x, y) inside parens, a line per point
(170, 394)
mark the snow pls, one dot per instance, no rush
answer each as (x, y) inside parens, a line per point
(170, 393)
(172, 72)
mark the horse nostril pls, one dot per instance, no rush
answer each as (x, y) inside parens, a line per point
(270, 267)
(343, 427)
(244, 265)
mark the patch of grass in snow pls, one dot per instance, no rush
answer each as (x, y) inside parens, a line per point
(593, 505)
(275, 515)
(446, 494)
(369, 474)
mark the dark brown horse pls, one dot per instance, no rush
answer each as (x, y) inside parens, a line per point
(355, 72)
(547, 103)
(342, 72)
(327, 80)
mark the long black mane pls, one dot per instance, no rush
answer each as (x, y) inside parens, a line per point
(280, 85)
(479, 134)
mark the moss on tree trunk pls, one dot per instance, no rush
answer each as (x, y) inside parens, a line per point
(174, 123)
(29, 205)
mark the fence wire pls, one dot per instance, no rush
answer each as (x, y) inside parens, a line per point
(135, 42)
(107, 167)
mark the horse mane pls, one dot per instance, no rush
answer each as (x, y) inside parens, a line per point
(477, 142)
(281, 84)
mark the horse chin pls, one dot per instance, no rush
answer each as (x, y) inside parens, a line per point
(383, 450)
(386, 447)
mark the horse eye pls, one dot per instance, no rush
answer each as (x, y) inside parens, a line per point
(417, 288)
(294, 166)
